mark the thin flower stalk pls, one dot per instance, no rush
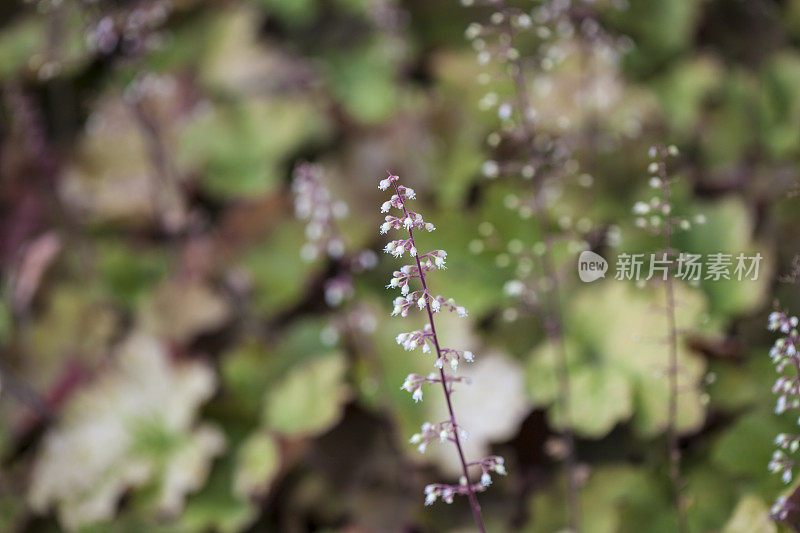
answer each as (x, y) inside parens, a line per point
(545, 157)
(657, 216)
(672, 331)
(427, 340)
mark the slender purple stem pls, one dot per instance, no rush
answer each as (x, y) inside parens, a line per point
(473, 500)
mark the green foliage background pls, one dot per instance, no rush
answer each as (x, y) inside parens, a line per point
(168, 361)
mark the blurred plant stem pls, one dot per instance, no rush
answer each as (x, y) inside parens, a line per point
(551, 310)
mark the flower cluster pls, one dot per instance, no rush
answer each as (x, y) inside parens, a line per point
(414, 382)
(443, 432)
(314, 203)
(654, 214)
(435, 491)
(493, 463)
(784, 353)
(421, 299)
(427, 340)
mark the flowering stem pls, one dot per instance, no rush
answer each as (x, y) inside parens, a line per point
(473, 500)
(673, 447)
(552, 312)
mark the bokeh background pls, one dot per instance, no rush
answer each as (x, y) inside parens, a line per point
(179, 352)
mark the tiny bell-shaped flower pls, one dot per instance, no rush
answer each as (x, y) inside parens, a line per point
(430, 498)
(417, 396)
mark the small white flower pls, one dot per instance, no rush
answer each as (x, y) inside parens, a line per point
(386, 206)
(421, 302)
(429, 227)
(469, 357)
(413, 251)
(461, 310)
(486, 479)
(384, 184)
(430, 498)
(404, 290)
(426, 348)
(447, 495)
(422, 447)
(443, 435)
(410, 194)
(780, 407)
(454, 363)
(641, 208)
(435, 305)
(417, 396)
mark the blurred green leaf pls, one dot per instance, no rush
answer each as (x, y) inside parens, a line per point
(257, 462)
(750, 516)
(309, 400)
